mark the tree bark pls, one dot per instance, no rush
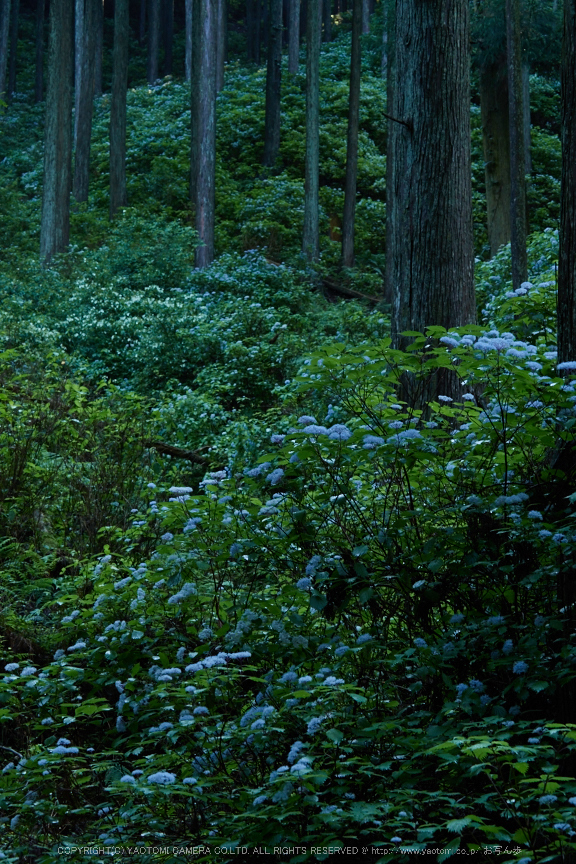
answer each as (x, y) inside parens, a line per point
(365, 16)
(294, 37)
(384, 54)
(14, 15)
(567, 256)
(311, 237)
(517, 145)
(326, 20)
(221, 45)
(390, 78)
(4, 42)
(168, 33)
(203, 161)
(496, 142)
(118, 192)
(98, 49)
(273, 85)
(429, 199)
(55, 221)
(188, 42)
(352, 141)
(39, 75)
(153, 41)
(84, 99)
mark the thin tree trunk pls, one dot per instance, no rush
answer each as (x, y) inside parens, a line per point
(98, 49)
(39, 76)
(429, 198)
(496, 141)
(168, 32)
(188, 42)
(85, 101)
(567, 256)
(79, 31)
(311, 236)
(273, 84)
(352, 142)
(55, 221)
(326, 20)
(118, 193)
(527, 117)
(203, 167)
(221, 44)
(517, 147)
(153, 41)
(294, 37)
(142, 22)
(4, 41)
(365, 16)
(384, 55)
(13, 48)
(390, 79)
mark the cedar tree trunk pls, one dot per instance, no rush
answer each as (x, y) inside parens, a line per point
(567, 256)
(188, 42)
(168, 32)
(352, 141)
(294, 37)
(13, 48)
(203, 161)
(517, 146)
(118, 193)
(311, 237)
(429, 199)
(153, 40)
(55, 222)
(84, 99)
(273, 85)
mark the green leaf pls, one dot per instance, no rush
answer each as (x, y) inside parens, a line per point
(335, 735)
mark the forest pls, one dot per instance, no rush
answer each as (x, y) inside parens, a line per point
(320, 607)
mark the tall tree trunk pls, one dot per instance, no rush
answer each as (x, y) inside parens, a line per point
(142, 22)
(85, 101)
(168, 33)
(153, 40)
(384, 54)
(203, 161)
(390, 79)
(352, 142)
(55, 221)
(567, 256)
(429, 199)
(311, 236)
(326, 20)
(79, 9)
(118, 193)
(365, 16)
(294, 37)
(39, 76)
(13, 48)
(221, 45)
(496, 141)
(258, 30)
(517, 146)
(4, 42)
(98, 49)
(188, 42)
(273, 85)
(527, 117)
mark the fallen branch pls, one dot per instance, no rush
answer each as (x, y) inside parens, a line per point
(177, 452)
(349, 292)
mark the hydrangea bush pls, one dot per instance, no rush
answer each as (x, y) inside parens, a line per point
(332, 643)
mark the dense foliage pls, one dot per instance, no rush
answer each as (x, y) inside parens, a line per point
(253, 591)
